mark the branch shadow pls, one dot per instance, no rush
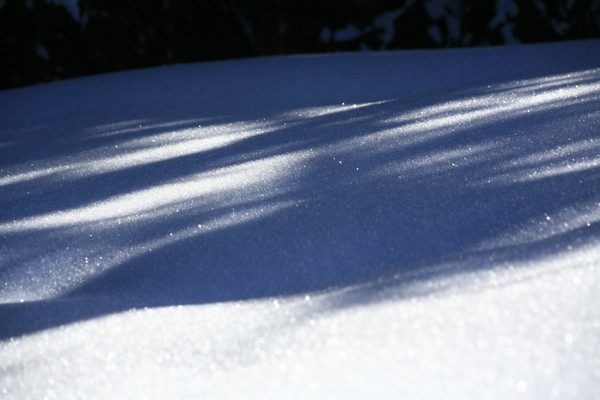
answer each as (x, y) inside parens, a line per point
(281, 198)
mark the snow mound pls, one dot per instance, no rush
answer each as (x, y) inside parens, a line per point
(417, 224)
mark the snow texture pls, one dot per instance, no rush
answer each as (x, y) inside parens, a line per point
(415, 225)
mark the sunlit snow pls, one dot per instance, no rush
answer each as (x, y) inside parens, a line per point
(414, 225)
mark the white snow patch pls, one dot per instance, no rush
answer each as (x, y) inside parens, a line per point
(163, 199)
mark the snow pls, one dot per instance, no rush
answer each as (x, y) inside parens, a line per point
(350, 32)
(505, 11)
(412, 224)
(71, 5)
(384, 23)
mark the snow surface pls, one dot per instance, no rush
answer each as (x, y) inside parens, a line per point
(415, 225)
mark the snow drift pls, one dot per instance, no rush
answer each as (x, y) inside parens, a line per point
(399, 225)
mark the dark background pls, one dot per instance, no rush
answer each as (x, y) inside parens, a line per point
(44, 40)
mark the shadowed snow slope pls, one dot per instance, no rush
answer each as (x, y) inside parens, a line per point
(415, 225)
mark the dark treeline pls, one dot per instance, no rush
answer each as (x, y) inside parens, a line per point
(42, 40)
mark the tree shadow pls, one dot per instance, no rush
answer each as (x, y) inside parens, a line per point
(279, 198)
